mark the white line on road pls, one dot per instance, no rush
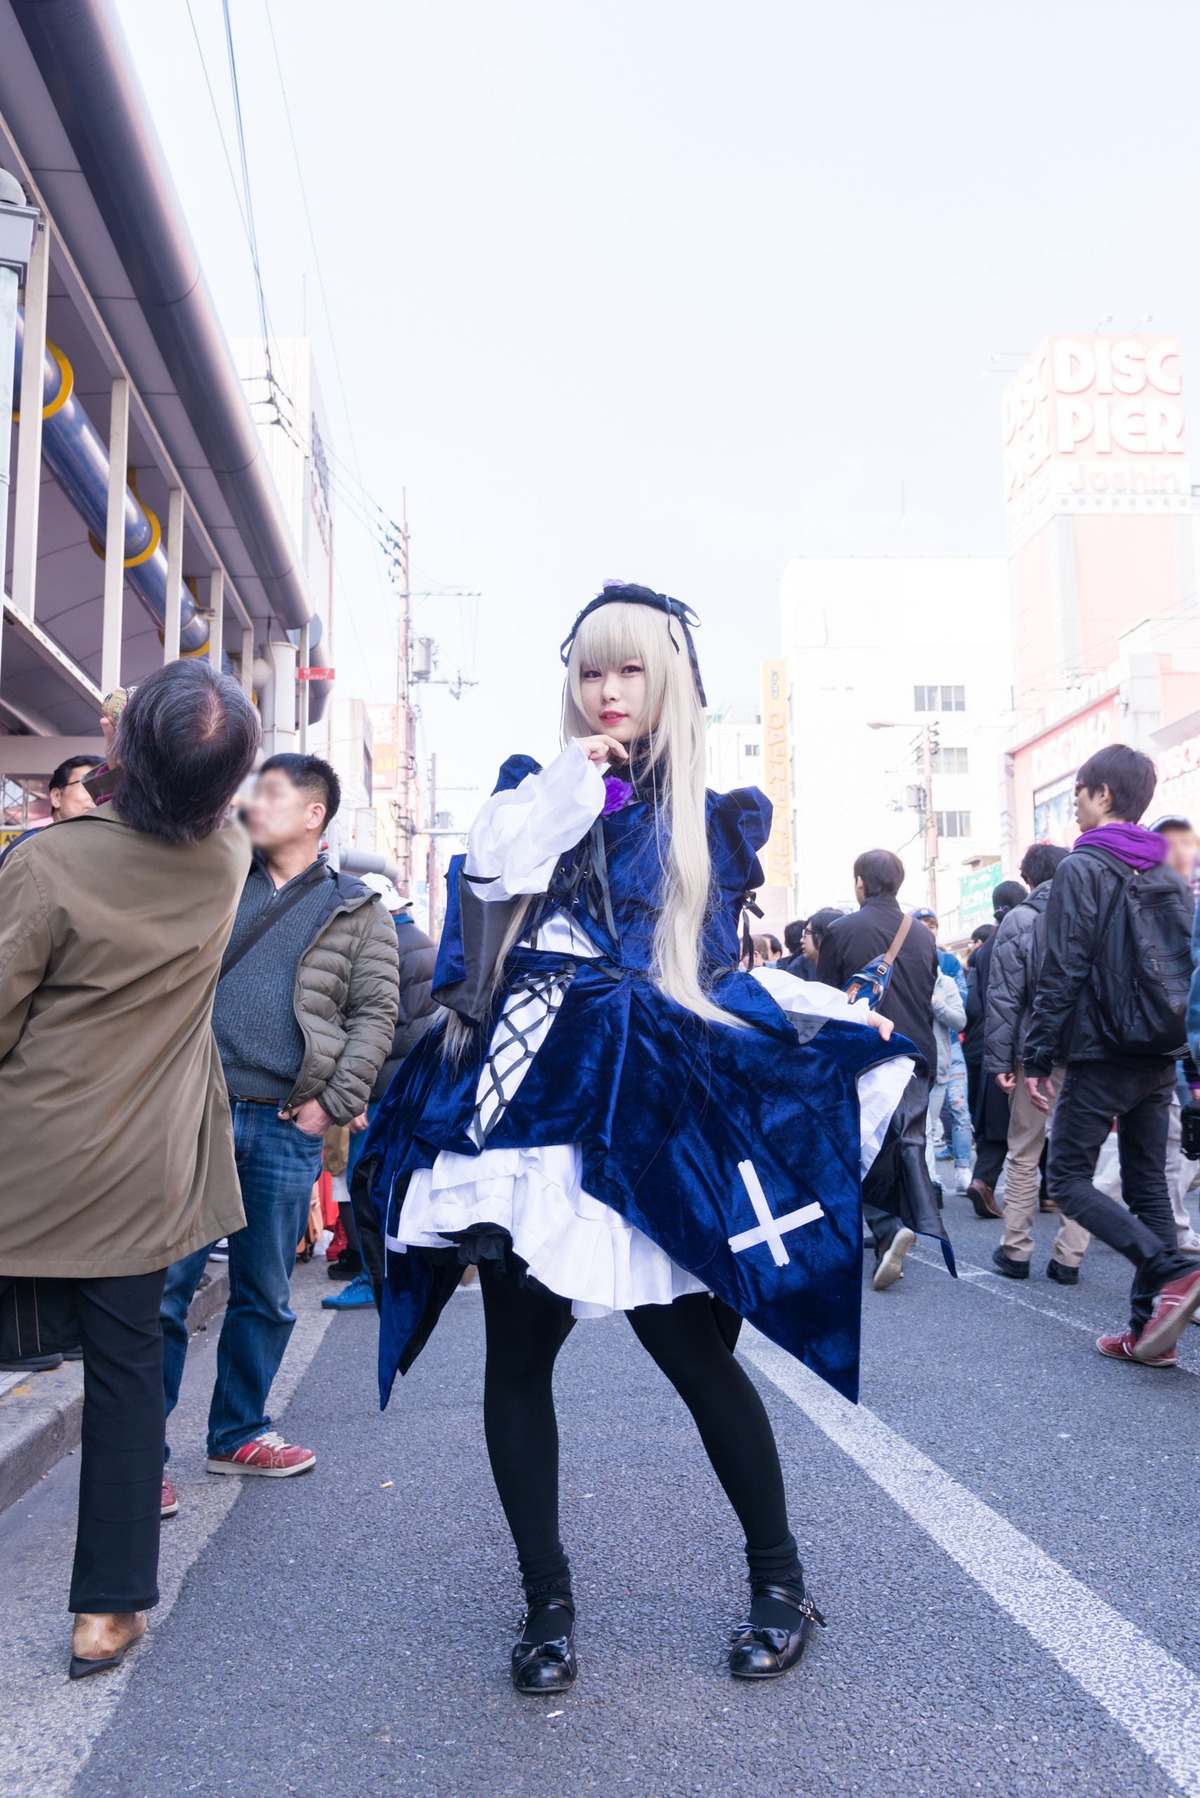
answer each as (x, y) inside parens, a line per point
(49, 1725)
(1142, 1687)
(999, 1286)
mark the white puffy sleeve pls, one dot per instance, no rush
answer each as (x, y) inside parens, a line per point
(879, 1088)
(519, 835)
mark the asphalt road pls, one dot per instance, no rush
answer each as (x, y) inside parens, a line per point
(1002, 1537)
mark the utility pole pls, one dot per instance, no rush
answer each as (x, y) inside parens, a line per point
(929, 744)
(431, 859)
(406, 727)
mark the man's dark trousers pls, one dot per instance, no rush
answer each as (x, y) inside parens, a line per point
(897, 1188)
(1138, 1094)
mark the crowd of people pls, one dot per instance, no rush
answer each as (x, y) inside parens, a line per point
(1052, 1086)
(680, 1156)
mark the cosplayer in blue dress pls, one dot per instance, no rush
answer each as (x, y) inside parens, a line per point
(615, 1118)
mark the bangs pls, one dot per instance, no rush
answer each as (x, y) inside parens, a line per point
(615, 634)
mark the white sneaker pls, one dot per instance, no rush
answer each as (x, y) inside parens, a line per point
(1189, 1243)
(891, 1262)
(962, 1179)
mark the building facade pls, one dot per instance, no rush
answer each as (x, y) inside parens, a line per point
(1101, 520)
(899, 704)
(142, 521)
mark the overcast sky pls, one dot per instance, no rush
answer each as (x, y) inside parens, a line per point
(671, 290)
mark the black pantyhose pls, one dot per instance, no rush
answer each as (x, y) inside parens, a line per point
(526, 1327)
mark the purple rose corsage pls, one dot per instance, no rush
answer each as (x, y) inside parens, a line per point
(617, 792)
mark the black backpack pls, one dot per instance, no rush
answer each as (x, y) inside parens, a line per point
(1143, 967)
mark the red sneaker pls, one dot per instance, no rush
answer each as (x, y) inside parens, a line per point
(1177, 1303)
(267, 1454)
(170, 1504)
(1122, 1348)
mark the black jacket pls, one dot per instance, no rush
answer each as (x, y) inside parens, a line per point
(1016, 962)
(798, 966)
(858, 938)
(972, 1041)
(1078, 984)
(417, 1009)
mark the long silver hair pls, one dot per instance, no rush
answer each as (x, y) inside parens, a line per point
(670, 758)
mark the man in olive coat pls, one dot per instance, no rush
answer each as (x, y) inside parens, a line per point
(117, 1148)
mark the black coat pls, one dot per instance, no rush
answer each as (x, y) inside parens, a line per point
(1079, 985)
(990, 1106)
(417, 1009)
(977, 984)
(860, 937)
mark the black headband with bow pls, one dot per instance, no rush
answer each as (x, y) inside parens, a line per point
(617, 593)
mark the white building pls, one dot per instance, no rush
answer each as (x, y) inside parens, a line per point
(735, 748)
(888, 659)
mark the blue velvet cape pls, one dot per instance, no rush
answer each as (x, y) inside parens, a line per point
(663, 1105)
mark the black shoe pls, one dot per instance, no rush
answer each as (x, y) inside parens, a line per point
(756, 1652)
(539, 1668)
(31, 1364)
(1012, 1270)
(1062, 1276)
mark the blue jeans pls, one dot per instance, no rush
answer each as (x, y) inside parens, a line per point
(277, 1165)
(960, 1110)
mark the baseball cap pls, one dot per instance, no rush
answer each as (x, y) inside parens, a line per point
(390, 894)
(923, 911)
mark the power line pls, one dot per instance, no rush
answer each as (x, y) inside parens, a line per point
(217, 117)
(312, 238)
(251, 227)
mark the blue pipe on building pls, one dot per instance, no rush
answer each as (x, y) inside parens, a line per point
(77, 457)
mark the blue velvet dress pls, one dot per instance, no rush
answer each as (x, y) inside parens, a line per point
(735, 1150)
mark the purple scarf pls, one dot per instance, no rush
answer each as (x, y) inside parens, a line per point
(1131, 843)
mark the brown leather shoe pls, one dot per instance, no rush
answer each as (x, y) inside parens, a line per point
(102, 1639)
(983, 1199)
(1046, 1204)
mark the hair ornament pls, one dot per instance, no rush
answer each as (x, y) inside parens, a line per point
(621, 593)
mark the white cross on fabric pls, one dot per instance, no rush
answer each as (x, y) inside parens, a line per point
(769, 1229)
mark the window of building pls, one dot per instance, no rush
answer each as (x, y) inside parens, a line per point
(948, 760)
(939, 699)
(953, 824)
(750, 749)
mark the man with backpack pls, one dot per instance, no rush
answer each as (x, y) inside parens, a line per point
(1110, 1005)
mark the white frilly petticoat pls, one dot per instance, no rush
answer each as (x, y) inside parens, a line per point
(572, 1242)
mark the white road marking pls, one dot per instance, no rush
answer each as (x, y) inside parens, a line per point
(1149, 1693)
(50, 1724)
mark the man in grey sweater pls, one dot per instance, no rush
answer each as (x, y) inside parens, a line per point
(303, 1019)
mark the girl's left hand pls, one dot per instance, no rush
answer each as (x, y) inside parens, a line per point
(884, 1025)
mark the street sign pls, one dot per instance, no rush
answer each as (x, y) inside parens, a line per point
(975, 896)
(314, 674)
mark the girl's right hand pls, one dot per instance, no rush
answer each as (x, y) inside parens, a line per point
(603, 749)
